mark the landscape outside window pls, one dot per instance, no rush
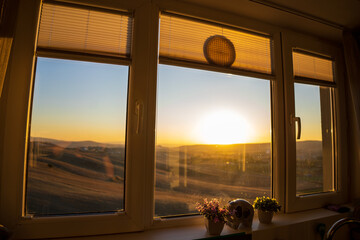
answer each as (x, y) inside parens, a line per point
(315, 137)
(314, 148)
(213, 138)
(76, 153)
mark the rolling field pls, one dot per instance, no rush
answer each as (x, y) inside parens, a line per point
(88, 177)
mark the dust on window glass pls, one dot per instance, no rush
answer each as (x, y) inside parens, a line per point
(76, 152)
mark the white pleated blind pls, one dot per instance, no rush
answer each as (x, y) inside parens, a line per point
(79, 29)
(183, 39)
(310, 66)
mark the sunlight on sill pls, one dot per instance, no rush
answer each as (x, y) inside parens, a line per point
(192, 227)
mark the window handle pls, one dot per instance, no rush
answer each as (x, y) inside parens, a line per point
(138, 112)
(298, 120)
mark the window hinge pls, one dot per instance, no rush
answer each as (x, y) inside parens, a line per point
(119, 212)
(29, 216)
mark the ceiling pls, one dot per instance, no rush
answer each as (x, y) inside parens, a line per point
(325, 18)
(342, 12)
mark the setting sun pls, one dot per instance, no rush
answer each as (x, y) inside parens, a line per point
(223, 127)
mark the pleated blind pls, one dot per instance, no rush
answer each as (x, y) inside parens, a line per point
(72, 28)
(309, 66)
(184, 39)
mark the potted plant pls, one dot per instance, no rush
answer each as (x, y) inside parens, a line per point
(214, 215)
(266, 207)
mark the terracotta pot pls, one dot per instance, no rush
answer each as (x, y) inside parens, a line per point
(265, 216)
(213, 228)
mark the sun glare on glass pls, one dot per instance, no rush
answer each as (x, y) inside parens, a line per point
(223, 127)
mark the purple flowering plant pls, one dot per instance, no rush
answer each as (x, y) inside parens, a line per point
(212, 210)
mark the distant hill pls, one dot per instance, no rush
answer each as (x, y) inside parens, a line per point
(250, 147)
(75, 144)
(309, 145)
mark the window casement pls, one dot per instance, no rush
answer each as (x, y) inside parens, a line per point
(316, 160)
(76, 75)
(72, 103)
(164, 69)
(214, 125)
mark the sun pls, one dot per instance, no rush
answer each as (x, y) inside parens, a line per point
(223, 127)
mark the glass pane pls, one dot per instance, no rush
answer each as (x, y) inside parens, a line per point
(77, 144)
(185, 39)
(314, 149)
(213, 138)
(312, 67)
(82, 29)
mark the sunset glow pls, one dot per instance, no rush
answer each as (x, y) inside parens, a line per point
(82, 101)
(223, 127)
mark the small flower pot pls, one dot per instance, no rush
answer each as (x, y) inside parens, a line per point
(213, 228)
(265, 216)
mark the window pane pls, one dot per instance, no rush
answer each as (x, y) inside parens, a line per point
(312, 67)
(185, 39)
(213, 138)
(77, 144)
(314, 150)
(79, 29)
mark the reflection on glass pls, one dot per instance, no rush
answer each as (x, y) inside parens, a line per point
(76, 150)
(213, 138)
(314, 150)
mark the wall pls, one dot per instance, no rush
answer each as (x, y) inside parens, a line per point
(302, 230)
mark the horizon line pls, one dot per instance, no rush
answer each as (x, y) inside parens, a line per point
(160, 145)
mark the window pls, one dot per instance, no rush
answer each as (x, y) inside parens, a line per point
(315, 162)
(117, 115)
(315, 142)
(213, 138)
(76, 159)
(213, 130)
(75, 172)
(314, 115)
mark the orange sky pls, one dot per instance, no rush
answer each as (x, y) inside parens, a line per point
(78, 101)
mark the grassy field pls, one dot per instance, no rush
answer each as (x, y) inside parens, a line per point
(88, 177)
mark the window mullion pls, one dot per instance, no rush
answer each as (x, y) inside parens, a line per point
(278, 124)
(141, 116)
(290, 163)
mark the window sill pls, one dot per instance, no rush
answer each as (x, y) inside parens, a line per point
(165, 229)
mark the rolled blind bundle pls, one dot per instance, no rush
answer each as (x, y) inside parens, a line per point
(184, 39)
(309, 66)
(87, 30)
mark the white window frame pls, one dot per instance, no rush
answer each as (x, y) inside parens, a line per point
(294, 203)
(17, 114)
(276, 88)
(140, 152)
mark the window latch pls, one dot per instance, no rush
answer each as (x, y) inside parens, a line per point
(298, 121)
(139, 114)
